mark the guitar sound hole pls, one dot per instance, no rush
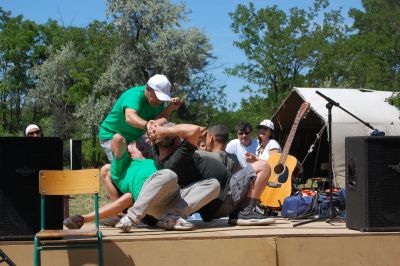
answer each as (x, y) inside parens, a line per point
(279, 168)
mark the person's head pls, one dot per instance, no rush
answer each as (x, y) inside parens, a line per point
(217, 137)
(202, 144)
(168, 141)
(158, 90)
(265, 130)
(33, 131)
(243, 132)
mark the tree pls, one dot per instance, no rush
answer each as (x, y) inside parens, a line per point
(70, 76)
(375, 46)
(280, 48)
(17, 44)
(152, 41)
(54, 80)
(203, 100)
(156, 42)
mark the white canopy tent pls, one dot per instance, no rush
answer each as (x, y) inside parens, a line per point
(368, 105)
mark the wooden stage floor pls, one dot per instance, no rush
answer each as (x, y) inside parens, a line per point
(217, 243)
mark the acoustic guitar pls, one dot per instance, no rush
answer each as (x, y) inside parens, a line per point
(283, 168)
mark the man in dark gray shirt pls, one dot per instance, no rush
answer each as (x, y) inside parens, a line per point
(199, 179)
(243, 189)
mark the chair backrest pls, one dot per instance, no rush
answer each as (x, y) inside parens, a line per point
(69, 182)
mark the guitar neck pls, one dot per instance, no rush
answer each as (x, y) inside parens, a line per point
(288, 144)
(304, 108)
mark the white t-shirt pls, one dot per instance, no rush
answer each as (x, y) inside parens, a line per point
(239, 150)
(271, 145)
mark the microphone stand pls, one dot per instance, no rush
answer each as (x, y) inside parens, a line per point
(5, 258)
(376, 132)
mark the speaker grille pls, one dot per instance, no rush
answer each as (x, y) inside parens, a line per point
(13, 222)
(20, 162)
(383, 183)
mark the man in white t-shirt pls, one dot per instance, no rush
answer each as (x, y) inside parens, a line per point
(243, 144)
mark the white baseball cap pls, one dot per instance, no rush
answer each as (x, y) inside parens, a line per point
(161, 86)
(30, 127)
(266, 123)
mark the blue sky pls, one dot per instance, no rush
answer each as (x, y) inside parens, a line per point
(211, 16)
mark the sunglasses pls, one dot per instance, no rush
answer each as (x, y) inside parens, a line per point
(243, 132)
(32, 133)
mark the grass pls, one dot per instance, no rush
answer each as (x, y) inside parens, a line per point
(82, 204)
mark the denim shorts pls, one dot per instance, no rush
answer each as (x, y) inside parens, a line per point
(106, 145)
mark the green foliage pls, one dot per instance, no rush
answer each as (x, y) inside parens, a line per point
(375, 47)
(152, 41)
(54, 80)
(281, 48)
(18, 40)
(203, 99)
(67, 78)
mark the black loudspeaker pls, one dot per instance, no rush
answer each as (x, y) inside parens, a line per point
(75, 154)
(20, 161)
(373, 183)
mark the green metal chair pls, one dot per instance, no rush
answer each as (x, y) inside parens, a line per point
(68, 182)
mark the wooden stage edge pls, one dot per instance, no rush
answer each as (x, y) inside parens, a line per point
(217, 243)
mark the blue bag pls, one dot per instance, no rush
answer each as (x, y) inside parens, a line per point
(338, 202)
(298, 206)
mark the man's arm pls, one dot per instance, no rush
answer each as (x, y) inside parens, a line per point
(172, 106)
(188, 132)
(133, 119)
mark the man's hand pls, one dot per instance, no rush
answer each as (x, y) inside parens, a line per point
(172, 106)
(250, 158)
(157, 133)
(175, 103)
(149, 125)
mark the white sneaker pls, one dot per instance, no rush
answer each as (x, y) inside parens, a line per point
(174, 222)
(125, 224)
(183, 225)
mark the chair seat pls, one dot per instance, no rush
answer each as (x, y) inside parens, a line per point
(49, 234)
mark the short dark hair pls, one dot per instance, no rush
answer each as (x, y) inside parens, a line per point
(242, 126)
(169, 140)
(220, 132)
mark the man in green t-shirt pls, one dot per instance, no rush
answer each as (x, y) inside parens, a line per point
(135, 174)
(132, 114)
(198, 179)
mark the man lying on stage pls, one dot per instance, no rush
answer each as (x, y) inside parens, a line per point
(242, 192)
(199, 179)
(140, 167)
(173, 221)
(161, 191)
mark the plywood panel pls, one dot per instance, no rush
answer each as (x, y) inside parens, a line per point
(346, 250)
